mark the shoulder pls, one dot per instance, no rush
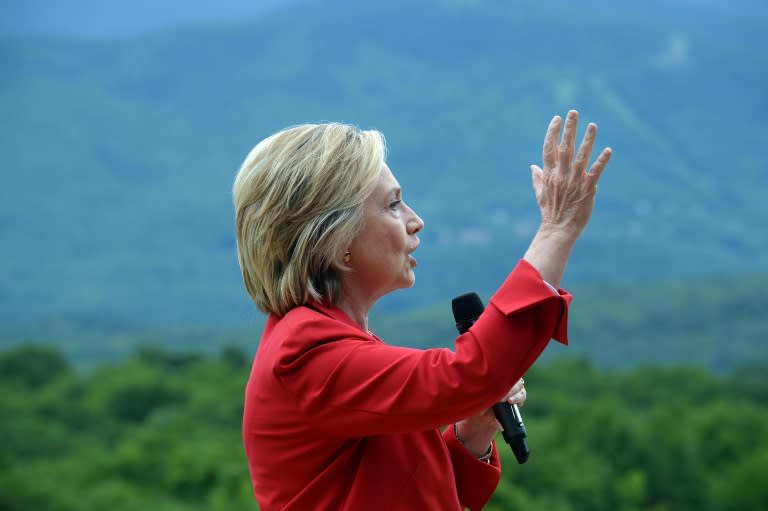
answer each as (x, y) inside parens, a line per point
(323, 323)
(308, 327)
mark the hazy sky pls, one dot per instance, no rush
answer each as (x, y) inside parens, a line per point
(100, 18)
(110, 18)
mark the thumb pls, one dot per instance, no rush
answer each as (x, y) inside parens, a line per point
(537, 175)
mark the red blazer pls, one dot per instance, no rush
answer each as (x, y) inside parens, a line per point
(337, 420)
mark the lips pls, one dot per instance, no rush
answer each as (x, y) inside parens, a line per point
(411, 259)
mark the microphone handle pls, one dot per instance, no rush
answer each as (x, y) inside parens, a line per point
(514, 432)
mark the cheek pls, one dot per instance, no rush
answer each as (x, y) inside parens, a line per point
(397, 246)
(386, 242)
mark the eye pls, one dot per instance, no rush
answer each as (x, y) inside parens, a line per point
(395, 204)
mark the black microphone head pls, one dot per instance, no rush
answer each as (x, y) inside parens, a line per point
(466, 309)
(521, 450)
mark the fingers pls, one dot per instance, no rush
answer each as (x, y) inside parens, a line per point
(585, 149)
(519, 398)
(537, 174)
(565, 150)
(599, 166)
(520, 385)
(550, 143)
(560, 155)
(517, 394)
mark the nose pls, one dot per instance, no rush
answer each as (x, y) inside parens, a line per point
(414, 223)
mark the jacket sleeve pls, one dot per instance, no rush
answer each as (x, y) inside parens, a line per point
(351, 384)
(475, 480)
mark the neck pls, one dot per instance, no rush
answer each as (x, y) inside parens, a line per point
(355, 304)
(355, 310)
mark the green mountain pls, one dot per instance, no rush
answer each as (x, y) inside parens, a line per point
(119, 154)
(718, 323)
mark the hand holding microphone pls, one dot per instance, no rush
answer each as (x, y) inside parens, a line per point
(466, 309)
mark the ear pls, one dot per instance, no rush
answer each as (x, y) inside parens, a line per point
(343, 261)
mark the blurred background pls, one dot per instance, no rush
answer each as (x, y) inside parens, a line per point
(126, 334)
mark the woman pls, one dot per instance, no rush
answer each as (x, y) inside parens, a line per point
(334, 417)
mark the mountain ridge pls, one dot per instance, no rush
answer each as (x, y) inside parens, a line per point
(121, 154)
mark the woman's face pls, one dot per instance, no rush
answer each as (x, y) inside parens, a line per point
(380, 254)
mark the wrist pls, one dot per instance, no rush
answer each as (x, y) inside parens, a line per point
(557, 233)
(480, 448)
(550, 250)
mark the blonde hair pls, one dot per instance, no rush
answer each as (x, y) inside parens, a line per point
(298, 201)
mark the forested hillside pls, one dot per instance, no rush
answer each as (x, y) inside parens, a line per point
(119, 154)
(126, 335)
(718, 323)
(161, 431)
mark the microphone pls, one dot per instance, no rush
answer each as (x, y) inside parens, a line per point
(466, 309)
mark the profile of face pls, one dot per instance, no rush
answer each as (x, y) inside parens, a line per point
(381, 257)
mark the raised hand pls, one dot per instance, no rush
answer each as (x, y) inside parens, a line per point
(565, 189)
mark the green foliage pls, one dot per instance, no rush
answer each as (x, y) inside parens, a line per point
(156, 431)
(161, 430)
(33, 365)
(651, 438)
